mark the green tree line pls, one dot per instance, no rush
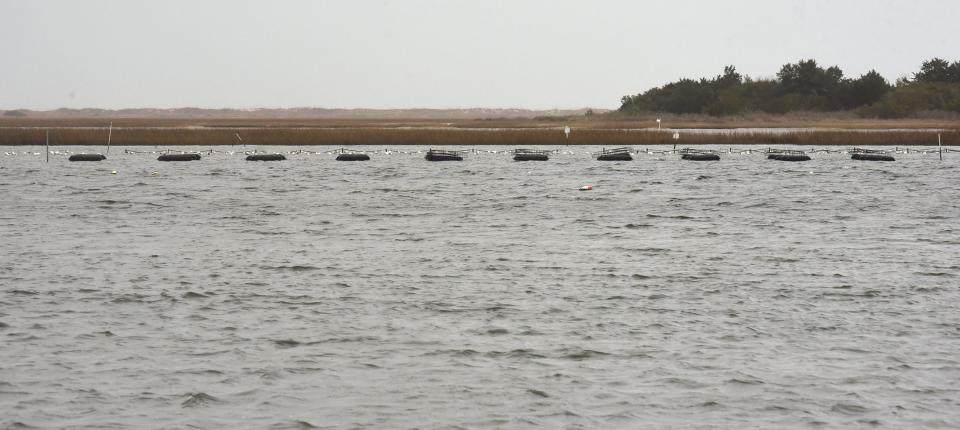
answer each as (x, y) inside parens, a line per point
(806, 86)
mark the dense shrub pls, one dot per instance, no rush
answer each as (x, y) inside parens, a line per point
(806, 86)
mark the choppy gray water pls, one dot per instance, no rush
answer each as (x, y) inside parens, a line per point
(399, 293)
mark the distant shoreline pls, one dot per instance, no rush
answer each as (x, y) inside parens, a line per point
(608, 120)
(603, 130)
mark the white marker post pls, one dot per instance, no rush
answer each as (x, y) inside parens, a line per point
(658, 123)
(240, 139)
(676, 137)
(109, 135)
(566, 131)
(940, 145)
(48, 145)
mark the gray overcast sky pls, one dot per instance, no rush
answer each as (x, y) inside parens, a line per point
(436, 54)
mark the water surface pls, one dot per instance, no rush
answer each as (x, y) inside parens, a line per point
(398, 293)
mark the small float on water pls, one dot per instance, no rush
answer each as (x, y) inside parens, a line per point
(186, 156)
(615, 154)
(266, 157)
(353, 157)
(82, 156)
(870, 155)
(787, 155)
(530, 155)
(443, 155)
(347, 155)
(698, 155)
(87, 157)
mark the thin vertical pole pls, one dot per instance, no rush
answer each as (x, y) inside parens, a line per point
(109, 135)
(48, 146)
(939, 144)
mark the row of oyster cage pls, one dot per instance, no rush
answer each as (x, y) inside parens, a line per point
(613, 154)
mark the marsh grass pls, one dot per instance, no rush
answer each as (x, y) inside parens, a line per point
(171, 133)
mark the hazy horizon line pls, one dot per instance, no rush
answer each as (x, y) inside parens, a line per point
(320, 108)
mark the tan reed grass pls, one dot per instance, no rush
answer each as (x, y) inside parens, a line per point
(462, 137)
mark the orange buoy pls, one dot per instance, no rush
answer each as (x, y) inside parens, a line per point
(586, 188)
